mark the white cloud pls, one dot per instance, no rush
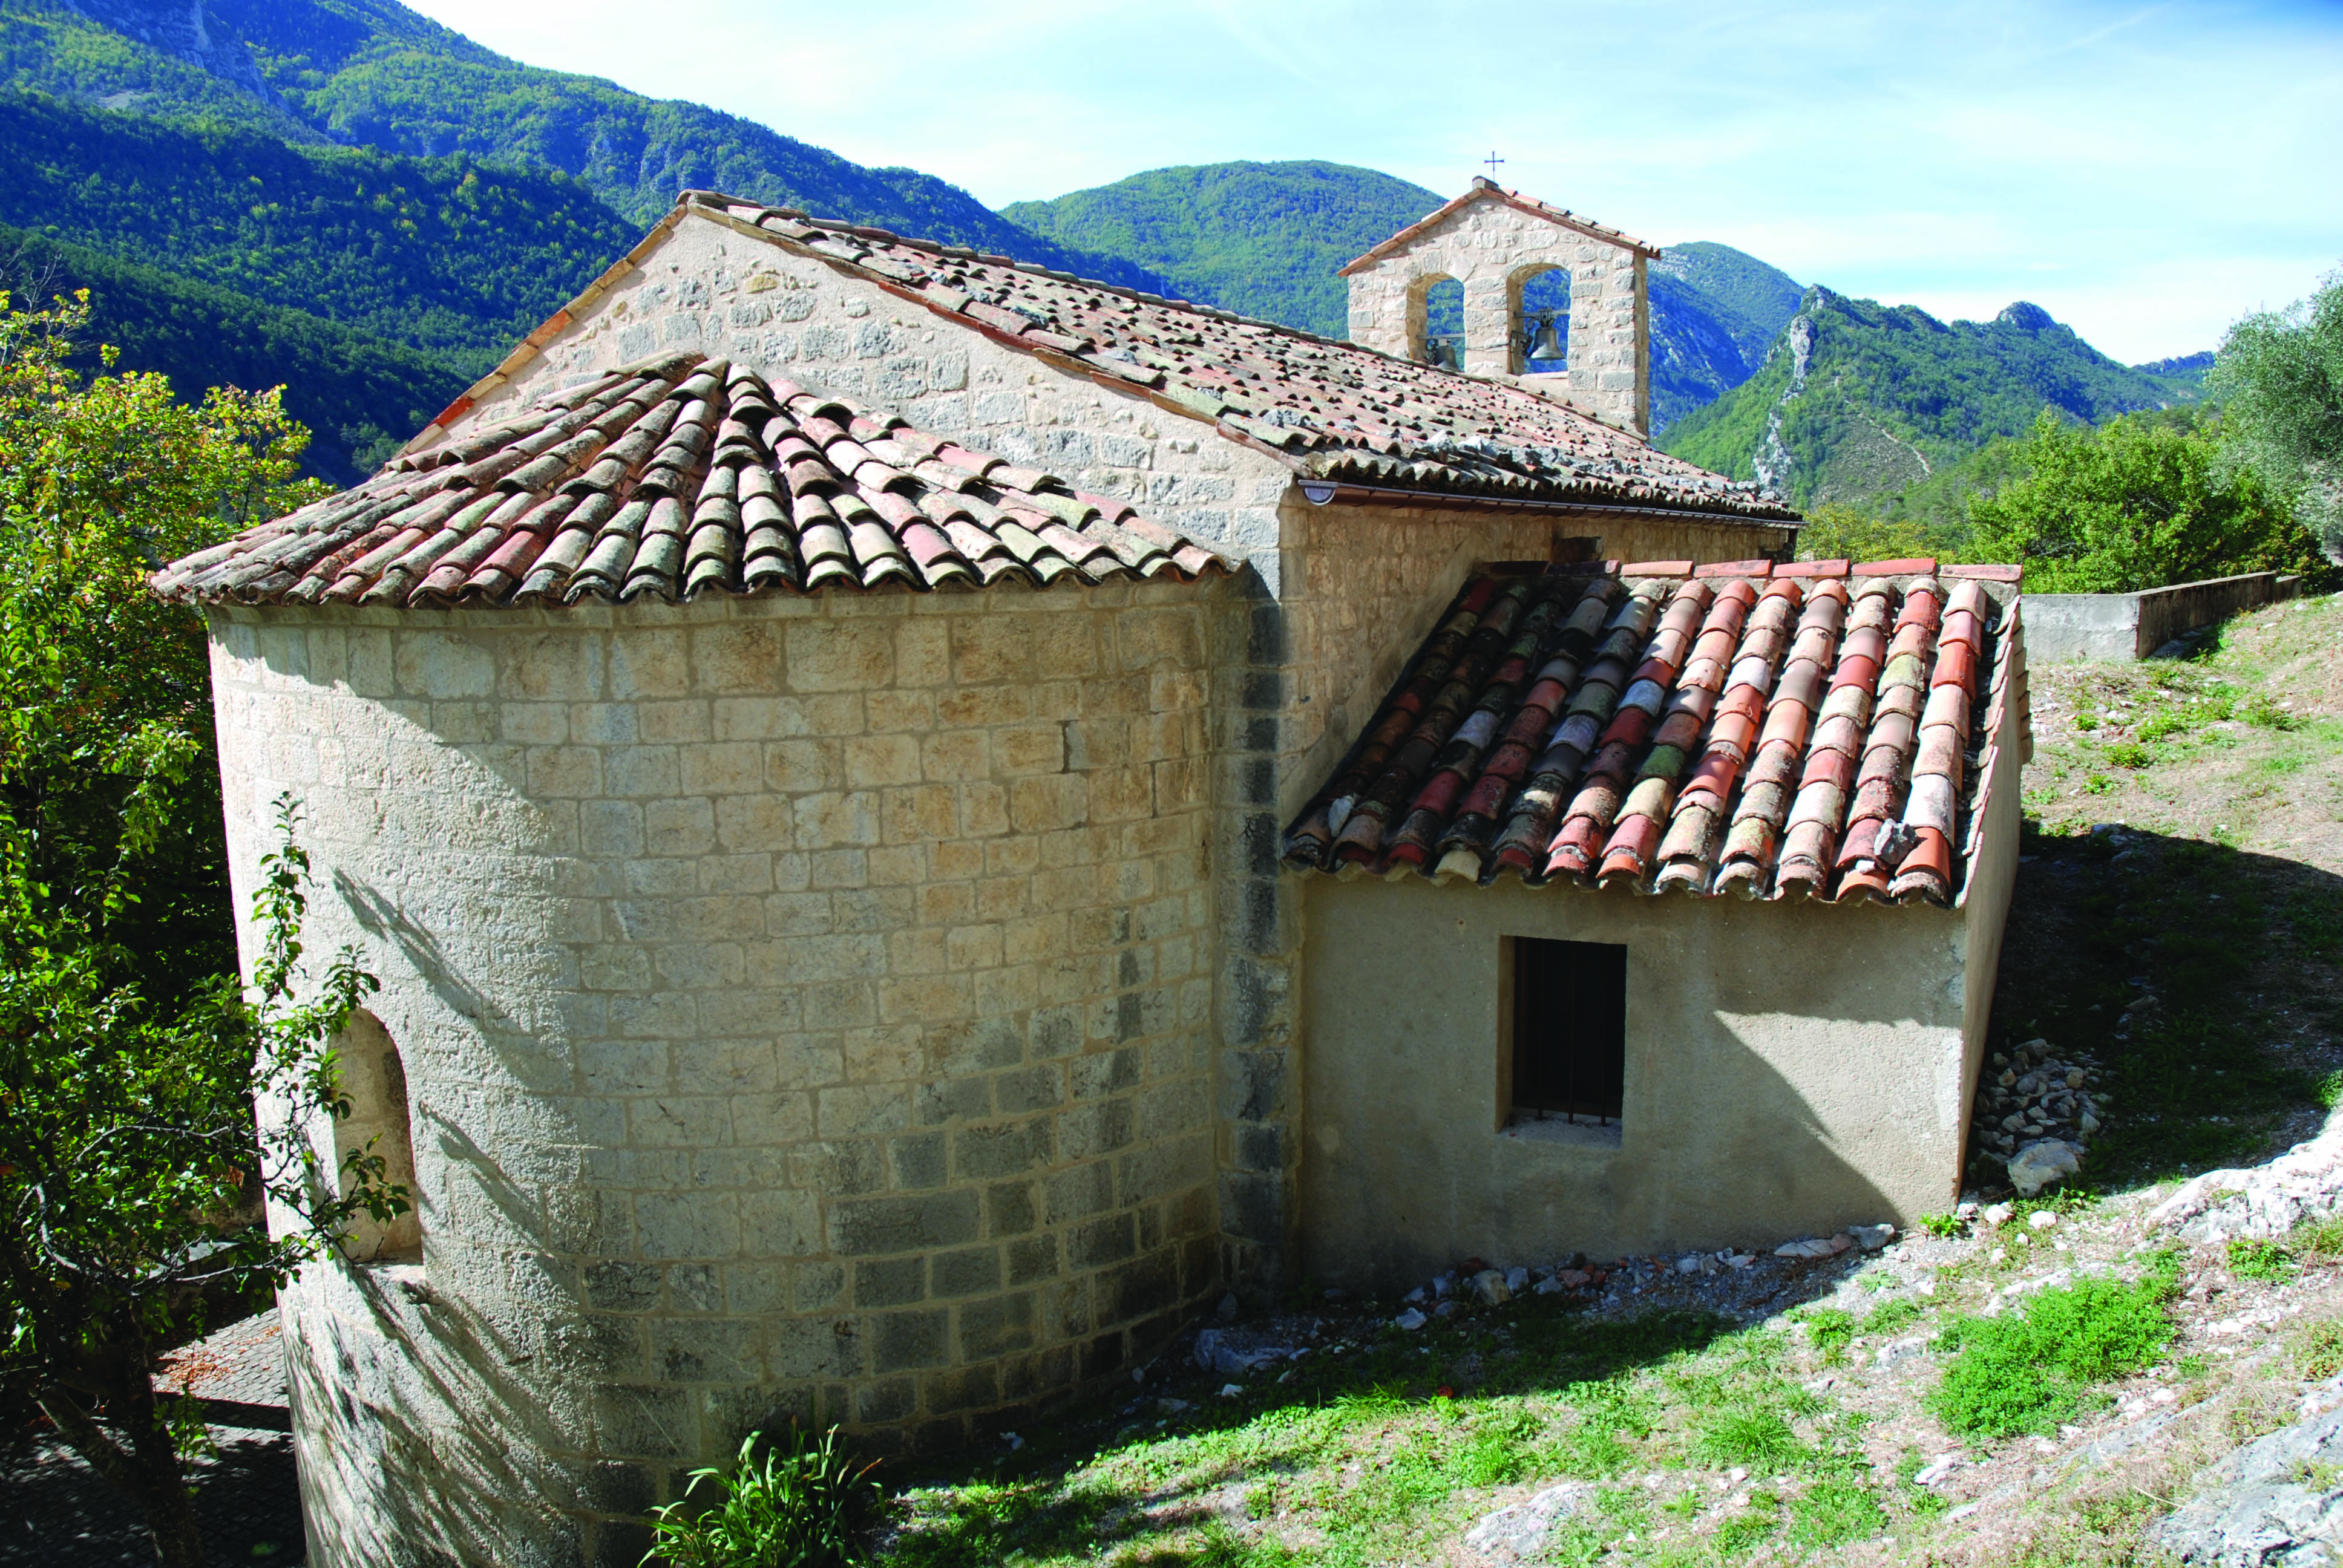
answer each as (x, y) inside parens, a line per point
(2147, 173)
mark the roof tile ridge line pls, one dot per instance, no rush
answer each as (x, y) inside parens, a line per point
(2008, 665)
(1480, 187)
(532, 346)
(719, 208)
(716, 204)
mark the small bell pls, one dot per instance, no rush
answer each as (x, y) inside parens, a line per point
(1547, 342)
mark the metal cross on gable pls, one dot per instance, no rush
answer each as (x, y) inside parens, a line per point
(1493, 160)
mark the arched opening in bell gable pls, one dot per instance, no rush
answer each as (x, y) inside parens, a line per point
(380, 1125)
(1436, 321)
(1539, 312)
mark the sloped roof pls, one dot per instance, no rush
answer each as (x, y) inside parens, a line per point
(1766, 732)
(678, 476)
(1489, 190)
(1332, 412)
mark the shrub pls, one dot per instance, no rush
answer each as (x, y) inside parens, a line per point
(797, 1506)
(1942, 1226)
(2028, 1370)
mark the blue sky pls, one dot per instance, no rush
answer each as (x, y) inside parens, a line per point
(2145, 173)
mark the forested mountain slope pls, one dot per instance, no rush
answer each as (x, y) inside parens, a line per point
(360, 397)
(446, 254)
(1858, 401)
(372, 72)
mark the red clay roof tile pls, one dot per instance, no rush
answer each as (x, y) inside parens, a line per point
(611, 490)
(1801, 733)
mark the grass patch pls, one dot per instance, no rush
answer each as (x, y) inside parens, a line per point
(2030, 1369)
(2254, 1257)
(1757, 1437)
(1835, 1511)
(2321, 1355)
(2320, 1238)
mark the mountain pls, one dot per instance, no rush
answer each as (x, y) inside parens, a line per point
(1716, 311)
(1858, 401)
(361, 397)
(2187, 368)
(372, 72)
(446, 254)
(1264, 240)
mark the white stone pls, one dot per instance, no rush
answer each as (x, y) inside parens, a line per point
(2042, 1162)
(1871, 1237)
(1411, 1320)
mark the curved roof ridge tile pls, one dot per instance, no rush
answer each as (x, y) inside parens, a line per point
(721, 483)
(1786, 734)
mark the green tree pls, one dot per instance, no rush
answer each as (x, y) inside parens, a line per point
(2139, 502)
(132, 1170)
(2282, 375)
(101, 479)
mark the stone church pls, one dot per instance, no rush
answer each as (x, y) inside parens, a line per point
(920, 817)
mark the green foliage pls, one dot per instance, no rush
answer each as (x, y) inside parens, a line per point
(1835, 1511)
(1891, 397)
(2281, 376)
(446, 254)
(1716, 311)
(2255, 1257)
(1759, 1436)
(364, 398)
(2034, 1367)
(100, 481)
(2321, 1240)
(798, 1503)
(1829, 1330)
(1944, 1227)
(1261, 239)
(130, 1169)
(2136, 503)
(1835, 532)
(2320, 1356)
(374, 75)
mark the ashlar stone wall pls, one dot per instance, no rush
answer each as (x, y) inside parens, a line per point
(730, 289)
(806, 1007)
(1492, 247)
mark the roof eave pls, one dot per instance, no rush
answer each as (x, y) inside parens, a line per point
(1486, 189)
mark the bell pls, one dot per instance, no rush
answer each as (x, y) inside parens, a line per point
(1547, 344)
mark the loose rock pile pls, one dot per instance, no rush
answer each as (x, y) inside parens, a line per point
(2027, 1097)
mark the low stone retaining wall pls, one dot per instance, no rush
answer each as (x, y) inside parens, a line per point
(2129, 626)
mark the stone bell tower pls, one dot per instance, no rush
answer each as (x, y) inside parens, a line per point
(1495, 242)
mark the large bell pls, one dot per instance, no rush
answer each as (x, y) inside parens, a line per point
(1547, 342)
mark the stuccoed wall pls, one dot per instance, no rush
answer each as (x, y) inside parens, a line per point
(1490, 248)
(1792, 1069)
(1363, 586)
(806, 1006)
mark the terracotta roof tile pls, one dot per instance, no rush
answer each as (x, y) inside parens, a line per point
(676, 476)
(1332, 412)
(1795, 733)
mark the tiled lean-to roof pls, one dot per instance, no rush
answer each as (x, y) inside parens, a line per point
(1331, 411)
(1798, 731)
(678, 476)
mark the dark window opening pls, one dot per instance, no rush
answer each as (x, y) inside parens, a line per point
(1570, 1030)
